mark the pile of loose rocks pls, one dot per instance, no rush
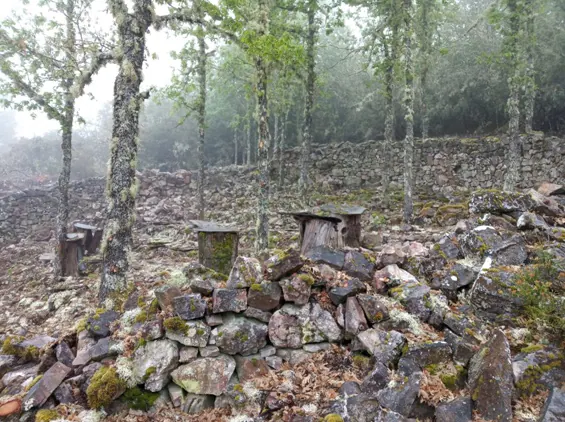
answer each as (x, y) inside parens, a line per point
(435, 328)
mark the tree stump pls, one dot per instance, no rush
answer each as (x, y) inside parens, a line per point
(329, 225)
(93, 237)
(217, 245)
(74, 252)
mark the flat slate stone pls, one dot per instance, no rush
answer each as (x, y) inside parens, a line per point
(325, 255)
(40, 392)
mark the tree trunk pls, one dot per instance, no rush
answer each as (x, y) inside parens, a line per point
(409, 113)
(530, 87)
(389, 119)
(281, 151)
(122, 185)
(513, 158)
(248, 140)
(201, 120)
(262, 227)
(276, 139)
(66, 146)
(235, 147)
(309, 101)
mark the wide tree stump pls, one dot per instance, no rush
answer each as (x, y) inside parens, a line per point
(217, 245)
(92, 239)
(333, 226)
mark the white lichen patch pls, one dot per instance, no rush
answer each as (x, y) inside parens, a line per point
(178, 279)
(414, 326)
(126, 371)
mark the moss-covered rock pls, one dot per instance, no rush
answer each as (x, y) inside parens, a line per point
(105, 387)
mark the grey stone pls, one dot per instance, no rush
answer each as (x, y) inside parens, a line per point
(324, 255)
(296, 289)
(258, 314)
(105, 347)
(176, 394)
(209, 351)
(265, 296)
(425, 354)
(390, 255)
(376, 380)
(316, 347)
(245, 272)
(240, 335)
(293, 356)
(99, 324)
(459, 276)
(166, 294)
(498, 202)
(197, 403)
(64, 354)
(7, 362)
(187, 354)
(357, 265)
(375, 309)
(401, 397)
(554, 408)
(189, 306)
(42, 390)
(447, 246)
(248, 367)
(201, 286)
(205, 375)
(195, 335)
(491, 379)
(152, 330)
(214, 320)
(229, 300)
(458, 410)
(267, 351)
(491, 296)
(385, 346)
(158, 358)
(355, 321)
(283, 264)
(353, 287)
(274, 362)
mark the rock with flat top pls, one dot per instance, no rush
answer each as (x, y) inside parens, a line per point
(42, 390)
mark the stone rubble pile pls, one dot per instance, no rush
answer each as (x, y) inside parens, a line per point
(418, 315)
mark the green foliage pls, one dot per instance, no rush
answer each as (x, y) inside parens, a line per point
(46, 415)
(543, 309)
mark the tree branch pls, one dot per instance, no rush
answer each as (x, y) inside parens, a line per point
(17, 80)
(184, 16)
(86, 76)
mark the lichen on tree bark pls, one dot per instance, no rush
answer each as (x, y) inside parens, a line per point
(409, 112)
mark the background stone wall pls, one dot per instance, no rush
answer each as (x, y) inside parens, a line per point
(442, 166)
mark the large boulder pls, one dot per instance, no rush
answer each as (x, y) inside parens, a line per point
(492, 295)
(154, 363)
(498, 202)
(205, 375)
(240, 335)
(490, 379)
(245, 272)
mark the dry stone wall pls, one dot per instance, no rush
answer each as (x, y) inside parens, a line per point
(441, 166)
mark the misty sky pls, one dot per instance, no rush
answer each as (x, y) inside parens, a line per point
(156, 73)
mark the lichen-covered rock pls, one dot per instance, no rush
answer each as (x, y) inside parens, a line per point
(554, 408)
(498, 202)
(165, 296)
(282, 264)
(545, 205)
(240, 335)
(538, 367)
(325, 255)
(490, 379)
(292, 326)
(188, 333)
(457, 410)
(530, 220)
(63, 353)
(245, 272)
(154, 362)
(293, 356)
(189, 306)
(375, 309)
(229, 300)
(385, 346)
(248, 367)
(491, 296)
(392, 275)
(7, 362)
(197, 403)
(358, 265)
(479, 241)
(549, 189)
(187, 354)
(352, 287)
(425, 354)
(297, 288)
(265, 296)
(401, 396)
(258, 314)
(390, 255)
(448, 247)
(205, 375)
(459, 276)
(355, 321)
(99, 324)
(376, 380)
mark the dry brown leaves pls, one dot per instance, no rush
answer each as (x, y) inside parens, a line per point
(529, 408)
(433, 391)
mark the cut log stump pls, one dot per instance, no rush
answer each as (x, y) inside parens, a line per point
(217, 245)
